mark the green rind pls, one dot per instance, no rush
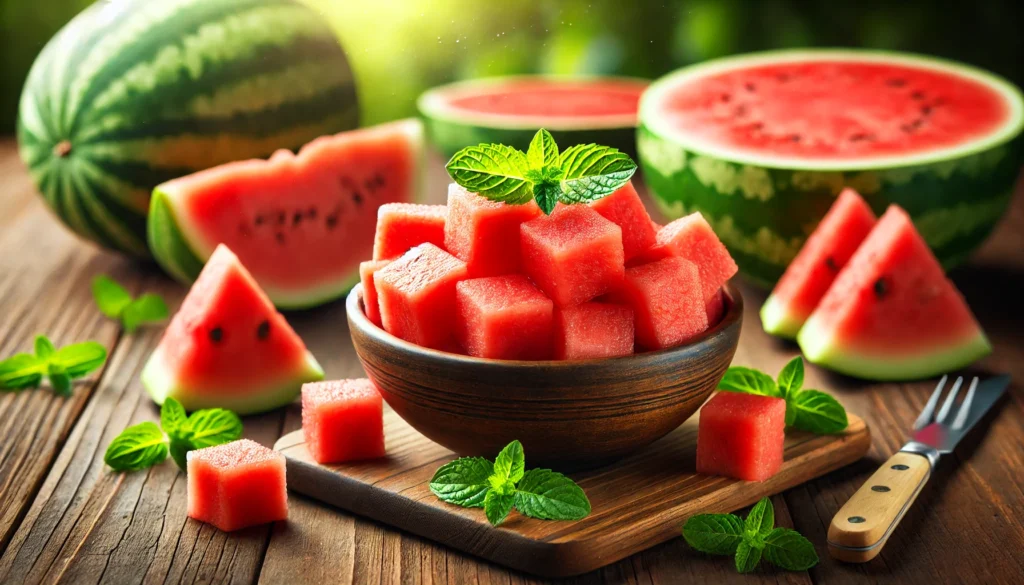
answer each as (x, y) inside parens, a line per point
(820, 347)
(777, 321)
(159, 381)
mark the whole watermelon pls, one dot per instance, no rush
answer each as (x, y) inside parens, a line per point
(132, 93)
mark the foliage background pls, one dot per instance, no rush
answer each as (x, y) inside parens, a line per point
(399, 48)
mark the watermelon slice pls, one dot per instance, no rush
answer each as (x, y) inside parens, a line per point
(300, 223)
(811, 274)
(509, 110)
(228, 347)
(762, 144)
(891, 314)
(236, 485)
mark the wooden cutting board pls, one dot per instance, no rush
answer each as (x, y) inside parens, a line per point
(637, 503)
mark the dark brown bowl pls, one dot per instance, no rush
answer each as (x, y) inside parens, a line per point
(567, 414)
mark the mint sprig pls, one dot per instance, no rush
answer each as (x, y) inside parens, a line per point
(807, 410)
(751, 540)
(581, 174)
(500, 487)
(61, 366)
(115, 302)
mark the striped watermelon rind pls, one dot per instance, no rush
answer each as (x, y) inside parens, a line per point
(764, 210)
(131, 94)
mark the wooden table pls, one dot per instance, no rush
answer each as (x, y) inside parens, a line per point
(65, 517)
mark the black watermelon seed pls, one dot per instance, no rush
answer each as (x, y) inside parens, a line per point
(881, 287)
(896, 82)
(750, 87)
(379, 179)
(357, 197)
(296, 218)
(332, 220)
(831, 264)
(917, 95)
(281, 217)
(259, 220)
(216, 334)
(725, 97)
(263, 331)
(926, 110)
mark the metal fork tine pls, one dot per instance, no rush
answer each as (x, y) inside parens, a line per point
(965, 407)
(948, 404)
(926, 415)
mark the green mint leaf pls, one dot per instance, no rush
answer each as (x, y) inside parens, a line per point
(179, 449)
(714, 534)
(549, 495)
(510, 465)
(747, 557)
(60, 381)
(789, 550)
(110, 297)
(214, 426)
(497, 506)
(44, 347)
(80, 359)
(21, 371)
(149, 308)
(137, 447)
(749, 381)
(494, 171)
(547, 196)
(463, 482)
(817, 412)
(174, 420)
(592, 171)
(543, 151)
(761, 518)
(791, 378)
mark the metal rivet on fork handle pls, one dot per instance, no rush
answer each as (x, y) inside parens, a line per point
(880, 488)
(855, 519)
(900, 467)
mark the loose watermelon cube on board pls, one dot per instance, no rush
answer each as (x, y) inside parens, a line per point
(416, 294)
(504, 317)
(484, 233)
(370, 305)
(593, 330)
(625, 209)
(816, 267)
(667, 301)
(228, 347)
(402, 226)
(343, 420)
(573, 255)
(741, 436)
(892, 314)
(236, 485)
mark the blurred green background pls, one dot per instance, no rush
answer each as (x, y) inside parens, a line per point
(399, 48)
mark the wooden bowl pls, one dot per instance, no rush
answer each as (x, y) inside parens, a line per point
(567, 414)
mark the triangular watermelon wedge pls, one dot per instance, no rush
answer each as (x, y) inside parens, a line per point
(228, 346)
(892, 314)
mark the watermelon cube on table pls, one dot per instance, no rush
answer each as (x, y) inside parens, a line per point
(625, 209)
(236, 485)
(343, 420)
(484, 233)
(416, 294)
(573, 255)
(402, 226)
(667, 301)
(504, 317)
(741, 436)
(370, 305)
(593, 330)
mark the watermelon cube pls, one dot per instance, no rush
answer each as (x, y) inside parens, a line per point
(625, 209)
(417, 296)
(715, 307)
(573, 255)
(402, 226)
(667, 300)
(236, 485)
(741, 436)
(593, 330)
(343, 420)
(484, 233)
(504, 317)
(370, 306)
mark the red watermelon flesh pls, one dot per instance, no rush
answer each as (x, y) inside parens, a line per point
(625, 209)
(228, 346)
(741, 436)
(343, 420)
(812, 272)
(550, 100)
(715, 307)
(370, 305)
(667, 301)
(300, 223)
(236, 485)
(484, 233)
(892, 314)
(504, 317)
(402, 226)
(593, 330)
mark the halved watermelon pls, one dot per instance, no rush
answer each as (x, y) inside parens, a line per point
(509, 110)
(892, 314)
(811, 274)
(228, 347)
(300, 223)
(762, 144)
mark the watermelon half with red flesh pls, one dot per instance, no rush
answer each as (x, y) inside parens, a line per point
(892, 314)
(301, 223)
(762, 145)
(509, 110)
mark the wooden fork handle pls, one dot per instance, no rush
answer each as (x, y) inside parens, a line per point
(861, 527)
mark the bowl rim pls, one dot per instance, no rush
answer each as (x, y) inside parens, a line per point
(358, 319)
